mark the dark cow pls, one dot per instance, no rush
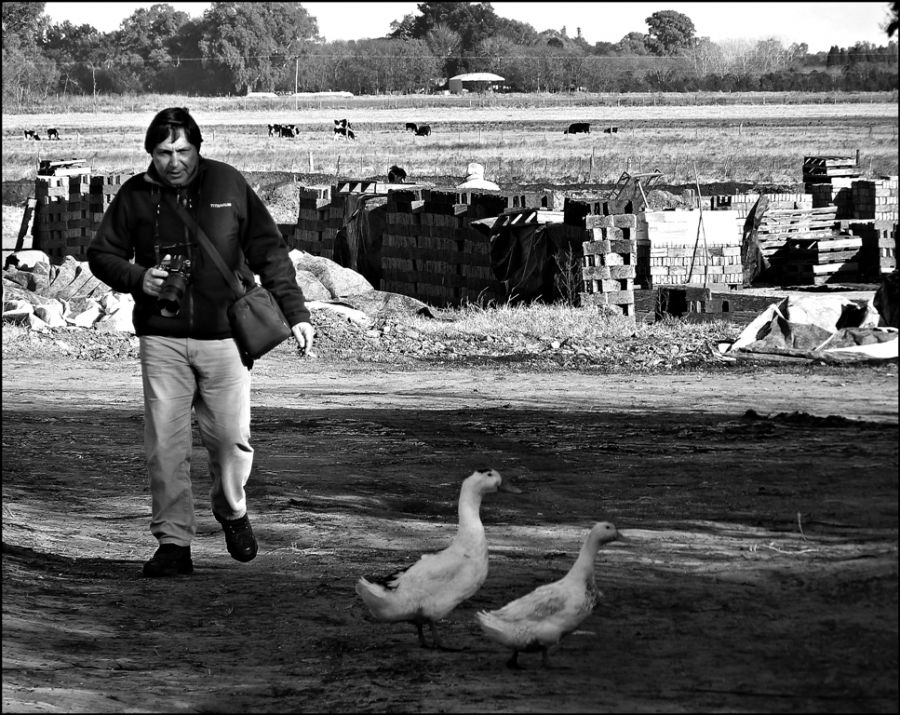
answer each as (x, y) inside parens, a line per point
(578, 128)
(53, 133)
(342, 129)
(274, 130)
(396, 175)
(611, 130)
(411, 127)
(32, 134)
(423, 131)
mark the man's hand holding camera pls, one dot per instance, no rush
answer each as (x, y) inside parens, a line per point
(153, 280)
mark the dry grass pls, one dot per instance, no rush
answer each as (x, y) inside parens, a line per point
(518, 144)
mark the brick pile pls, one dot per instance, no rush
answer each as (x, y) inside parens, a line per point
(430, 251)
(63, 224)
(609, 262)
(671, 249)
(876, 199)
(742, 203)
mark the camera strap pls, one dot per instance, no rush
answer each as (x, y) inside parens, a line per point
(208, 246)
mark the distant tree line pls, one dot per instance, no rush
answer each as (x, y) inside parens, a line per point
(238, 47)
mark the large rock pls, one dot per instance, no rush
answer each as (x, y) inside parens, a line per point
(339, 281)
(311, 286)
(27, 259)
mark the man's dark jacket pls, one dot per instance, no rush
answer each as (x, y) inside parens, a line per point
(140, 226)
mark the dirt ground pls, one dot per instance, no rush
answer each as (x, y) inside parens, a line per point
(758, 573)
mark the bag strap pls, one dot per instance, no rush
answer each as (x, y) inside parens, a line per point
(217, 259)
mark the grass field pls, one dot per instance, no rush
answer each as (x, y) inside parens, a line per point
(519, 139)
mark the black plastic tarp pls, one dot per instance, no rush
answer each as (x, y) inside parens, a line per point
(534, 262)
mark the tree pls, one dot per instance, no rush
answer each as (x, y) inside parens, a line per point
(144, 46)
(473, 22)
(444, 44)
(254, 41)
(891, 24)
(670, 32)
(24, 21)
(634, 43)
(27, 74)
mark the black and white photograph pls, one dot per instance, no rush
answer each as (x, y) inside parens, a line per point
(447, 357)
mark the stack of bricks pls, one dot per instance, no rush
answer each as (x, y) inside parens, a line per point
(316, 227)
(876, 199)
(675, 248)
(819, 261)
(63, 223)
(824, 169)
(875, 214)
(837, 192)
(609, 262)
(778, 227)
(828, 179)
(742, 203)
(101, 193)
(878, 254)
(430, 251)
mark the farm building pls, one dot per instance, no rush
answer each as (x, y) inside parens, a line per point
(473, 82)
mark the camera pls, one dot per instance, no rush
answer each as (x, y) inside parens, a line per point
(173, 288)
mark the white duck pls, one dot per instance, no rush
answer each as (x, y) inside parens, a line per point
(433, 586)
(540, 619)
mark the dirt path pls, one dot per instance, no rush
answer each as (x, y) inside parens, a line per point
(759, 572)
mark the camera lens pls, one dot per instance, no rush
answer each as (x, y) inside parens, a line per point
(171, 294)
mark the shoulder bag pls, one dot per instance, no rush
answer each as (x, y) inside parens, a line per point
(257, 323)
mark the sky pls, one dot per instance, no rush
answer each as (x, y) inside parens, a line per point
(819, 24)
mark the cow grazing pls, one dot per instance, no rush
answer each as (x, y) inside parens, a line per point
(32, 134)
(289, 130)
(342, 129)
(411, 127)
(423, 131)
(274, 130)
(611, 130)
(578, 128)
(53, 133)
(396, 175)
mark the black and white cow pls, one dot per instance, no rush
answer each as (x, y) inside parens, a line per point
(578, 128)
(53, 133)
(342, 129)
(411, 127)
(289, 130)
(31, 134)
(423, 131)
(611, 130)
(274, 130)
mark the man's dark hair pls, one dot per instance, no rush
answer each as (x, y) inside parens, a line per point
(166, 124)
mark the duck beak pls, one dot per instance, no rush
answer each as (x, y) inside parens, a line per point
(507, 486)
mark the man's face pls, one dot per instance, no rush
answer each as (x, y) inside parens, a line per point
(176, 159)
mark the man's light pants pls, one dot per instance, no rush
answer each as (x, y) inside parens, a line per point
(207, 375)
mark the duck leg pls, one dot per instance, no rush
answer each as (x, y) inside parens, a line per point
(437, 641)
(545, 658)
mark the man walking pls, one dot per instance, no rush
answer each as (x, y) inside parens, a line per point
(189, 361)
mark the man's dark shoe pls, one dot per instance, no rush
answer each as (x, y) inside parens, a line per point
(239, 538)
(170, 560)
